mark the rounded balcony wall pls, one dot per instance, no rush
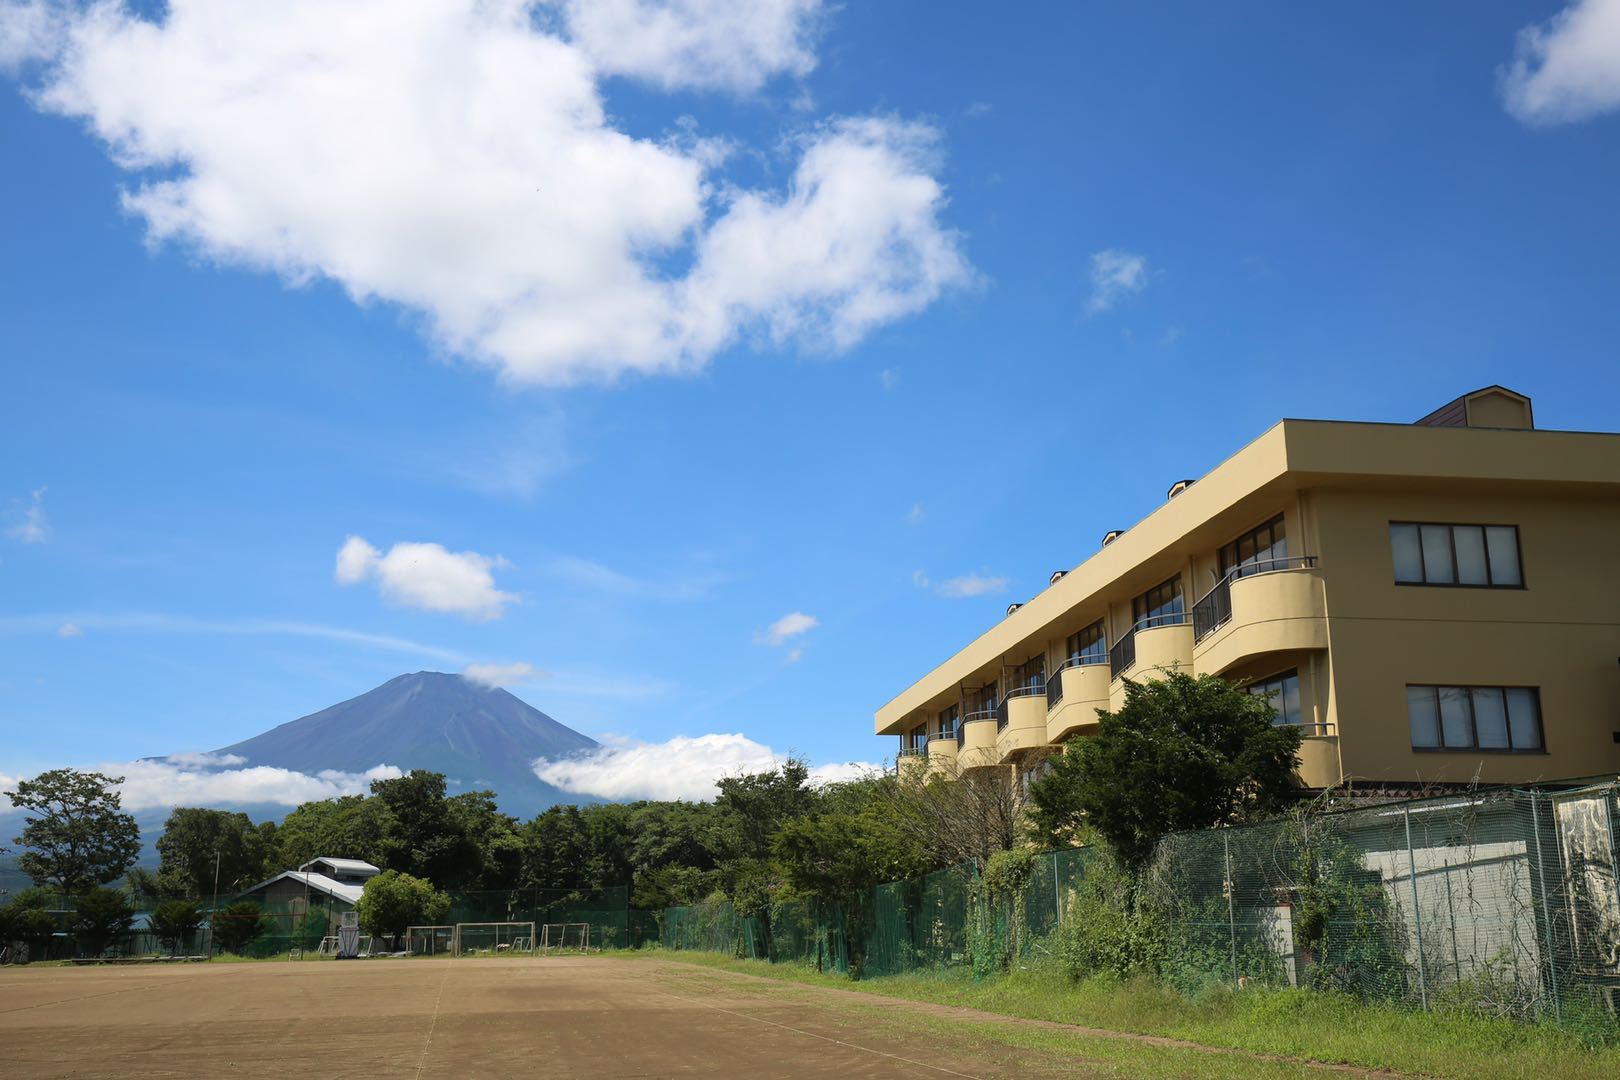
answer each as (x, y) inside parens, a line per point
(1085, 690)
(1319, 757)
(1026, 727)
(1277, 611)
(942, 755)
(1158, 649)
(978, 744)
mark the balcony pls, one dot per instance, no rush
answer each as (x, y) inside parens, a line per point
(942, 751)
(912, 760)
(1154, 642)
(1282, 609)
(1319, 756)
(1021, 722)
(977, 747)
(1074, 694)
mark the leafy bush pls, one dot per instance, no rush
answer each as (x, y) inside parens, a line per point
(238, 925)
(100, 917)
(173, 921)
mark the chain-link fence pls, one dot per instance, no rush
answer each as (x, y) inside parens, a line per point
(1506, 901)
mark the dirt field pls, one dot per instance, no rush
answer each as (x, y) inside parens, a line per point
(553, 1017)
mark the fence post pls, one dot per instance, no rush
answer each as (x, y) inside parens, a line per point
(1417, 913)
(1231, 911)
(1057, 893)
(1549, 952)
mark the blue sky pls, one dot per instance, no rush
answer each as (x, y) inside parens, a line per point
(685, 393)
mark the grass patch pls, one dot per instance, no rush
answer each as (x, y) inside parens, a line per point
(1296, 1024)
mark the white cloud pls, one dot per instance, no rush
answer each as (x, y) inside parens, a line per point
(889, 377)
(168, 623)
(1567, 68)
(916, 515)
(69, 630)
(29, 30)
(226, 780)
(426, 576)
(699, 44)
(32, 528)
(457, 159)
(685, 767)
(786, 628)
(502, 674)
(960, 587)
(1115, 274)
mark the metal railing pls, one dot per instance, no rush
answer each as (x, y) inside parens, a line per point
(1054, 683)
(913, 751)
(1214, 609)
(987, 713)
(954, 732)
(1123, 655)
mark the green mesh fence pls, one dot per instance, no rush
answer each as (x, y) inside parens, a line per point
(1505, 901)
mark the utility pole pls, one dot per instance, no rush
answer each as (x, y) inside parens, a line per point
(213, 908)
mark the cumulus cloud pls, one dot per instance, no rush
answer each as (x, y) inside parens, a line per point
(697, 44)
(426, 576)
(1115, 274)
(493, 675)
(32, 528)
(786, 628)
(227, 780)
(29, 30)
(457, 159)
(960, 587)
(685, 767)
(1567, 68)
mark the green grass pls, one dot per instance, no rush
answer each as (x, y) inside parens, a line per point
(1295, 1024)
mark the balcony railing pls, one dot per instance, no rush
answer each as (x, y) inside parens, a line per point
(914, 751)
(1123, 654)
(986, 712)
(1054, 685)
(1029, 690)
(953, 732)
(1214, 610)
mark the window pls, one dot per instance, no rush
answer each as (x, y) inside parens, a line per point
(1283, 692)
(1506, 719)
(1088, 646)
(949, 718)
(1257, 551)
(1477, 556)
(1029, 677)
(981, 702)
(1159, 606)
(917, 739)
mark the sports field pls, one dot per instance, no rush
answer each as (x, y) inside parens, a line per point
(588, 1016)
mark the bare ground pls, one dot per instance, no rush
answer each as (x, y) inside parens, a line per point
(555, 1017)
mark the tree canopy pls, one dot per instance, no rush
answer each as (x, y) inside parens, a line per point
(1181, 753)
(193, 838)
(76, 835)
(391, 902)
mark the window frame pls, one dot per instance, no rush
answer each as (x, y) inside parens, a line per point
(1280, 678)
(1473, 720)
(1451, 544)
(1095, 650)
(1238, 567)
(1141, 611)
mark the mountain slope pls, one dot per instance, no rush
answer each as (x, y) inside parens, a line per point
(478, 736)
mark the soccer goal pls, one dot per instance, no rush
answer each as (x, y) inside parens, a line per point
(565, 937)
(429, 940)
(492, 937)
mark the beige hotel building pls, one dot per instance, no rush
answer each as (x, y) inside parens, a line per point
(1432, 603)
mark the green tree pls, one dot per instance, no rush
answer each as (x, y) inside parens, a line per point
(28, 920)
(193, 839)
(348, 827)
(1181, 753)
(493, 836)
(238, 925)
(76, 835)
(173, 921)
(392, 901)
(422, 836)
(100, 917)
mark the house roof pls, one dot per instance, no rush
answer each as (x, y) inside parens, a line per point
(343, 866)
(349, 894)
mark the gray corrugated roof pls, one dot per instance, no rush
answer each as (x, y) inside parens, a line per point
(317, 883)
(347, 866)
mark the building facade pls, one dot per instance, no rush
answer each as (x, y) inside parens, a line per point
(1436, 602)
